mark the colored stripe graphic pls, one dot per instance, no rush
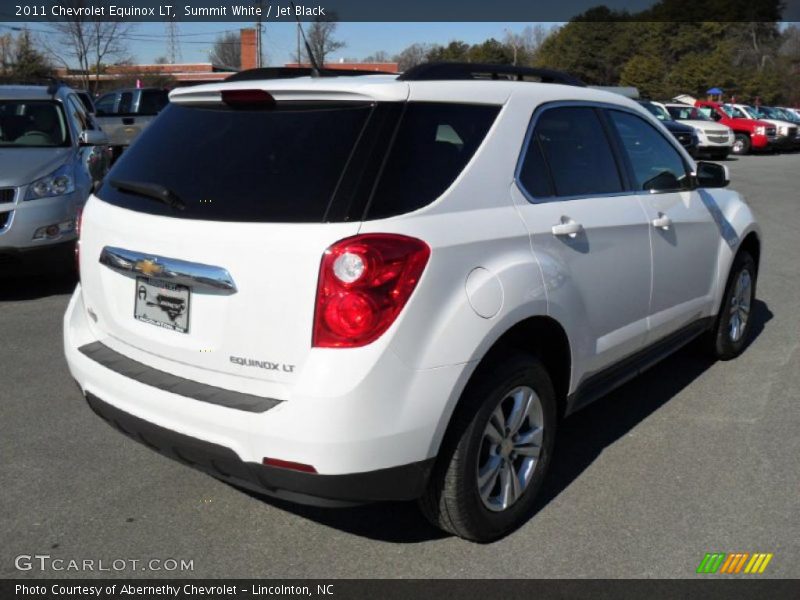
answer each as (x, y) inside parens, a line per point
(711, 562)
(758, 563)
(732, 563)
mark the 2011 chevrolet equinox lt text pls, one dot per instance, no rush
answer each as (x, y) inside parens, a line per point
(350, 289)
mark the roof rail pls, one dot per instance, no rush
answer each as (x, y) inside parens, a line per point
(52, 83)
(291, 72)
(444, 71)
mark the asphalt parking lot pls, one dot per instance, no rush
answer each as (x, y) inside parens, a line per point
(692, 457)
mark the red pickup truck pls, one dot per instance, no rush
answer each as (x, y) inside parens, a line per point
(750, 134)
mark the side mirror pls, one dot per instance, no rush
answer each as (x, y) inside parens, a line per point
(93, 138)
(711, 175)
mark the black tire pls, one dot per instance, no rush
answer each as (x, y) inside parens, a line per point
(722, 155)
(721, 342)
(452, 501)
(742, 142)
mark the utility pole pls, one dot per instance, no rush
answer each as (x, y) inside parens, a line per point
(299, 56)
(173, 45)
(259, 55)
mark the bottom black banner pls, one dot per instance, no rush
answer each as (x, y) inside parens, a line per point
(774, 589)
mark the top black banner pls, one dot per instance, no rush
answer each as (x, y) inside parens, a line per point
(400, 11)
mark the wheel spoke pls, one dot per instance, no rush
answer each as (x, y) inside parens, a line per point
(508, 488)
(735, 327)
(487, 476)
(522, 404)
(494, 435)
(529, 444)
(498, 420)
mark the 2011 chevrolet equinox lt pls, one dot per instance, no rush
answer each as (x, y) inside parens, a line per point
(349, 289)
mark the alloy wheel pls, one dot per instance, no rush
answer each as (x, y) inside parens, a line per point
(510, 448)
(740, 305)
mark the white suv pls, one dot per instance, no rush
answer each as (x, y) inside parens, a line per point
(349, 289)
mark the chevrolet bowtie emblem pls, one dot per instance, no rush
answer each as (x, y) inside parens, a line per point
(148, 267)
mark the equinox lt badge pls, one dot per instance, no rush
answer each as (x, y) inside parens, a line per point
(262, 364)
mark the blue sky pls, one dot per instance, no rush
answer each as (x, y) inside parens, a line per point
(148, 40)
(280, 39)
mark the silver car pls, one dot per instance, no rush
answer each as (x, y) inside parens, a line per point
(51, 155)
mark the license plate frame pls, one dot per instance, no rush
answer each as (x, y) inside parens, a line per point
(162, 303)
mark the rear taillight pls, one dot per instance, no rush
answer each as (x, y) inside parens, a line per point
(364, 282)
(78, 220)
(288, 464)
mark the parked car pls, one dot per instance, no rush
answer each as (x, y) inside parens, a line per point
(125, 113)
(326, 290)
(791, 111)
(784, 116)
(685, 134)
(714, 139)
(750, 135)
(50, 157)
(785, 132)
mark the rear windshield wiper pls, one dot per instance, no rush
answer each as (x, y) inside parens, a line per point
(150, 190)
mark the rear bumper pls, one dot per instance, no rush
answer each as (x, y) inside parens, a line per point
(404, 482)
(360, 434)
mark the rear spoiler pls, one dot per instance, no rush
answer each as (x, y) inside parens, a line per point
(685, 99)
(627, 91)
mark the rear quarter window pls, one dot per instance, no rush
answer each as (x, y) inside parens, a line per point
(433, 144)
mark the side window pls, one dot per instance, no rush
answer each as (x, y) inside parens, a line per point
(125, 103)
(657, 165)
(105, 105)
(152, 101)
(569, 155)
(77, 115)
(433, 144)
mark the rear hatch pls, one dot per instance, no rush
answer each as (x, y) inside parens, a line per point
(250, 190)
(203, 245)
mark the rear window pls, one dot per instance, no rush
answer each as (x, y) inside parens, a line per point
(231, 165)
(299, 163)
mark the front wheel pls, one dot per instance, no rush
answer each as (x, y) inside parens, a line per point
(742, 144)
(734, 322)
(496, 452)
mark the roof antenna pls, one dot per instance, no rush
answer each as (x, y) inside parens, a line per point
(315, 68)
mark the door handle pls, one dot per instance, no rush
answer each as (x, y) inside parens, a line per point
(567, 227)
(662, 222)
(128, 120)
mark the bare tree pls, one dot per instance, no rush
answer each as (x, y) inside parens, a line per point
(320, 39)
(412, 56)
(90, 43)
(227, 50)
(20, 60)
(381, 56)
(6, 53)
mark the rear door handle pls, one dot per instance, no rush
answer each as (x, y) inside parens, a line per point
(567, 227)
(662, 222)
(128, 120)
